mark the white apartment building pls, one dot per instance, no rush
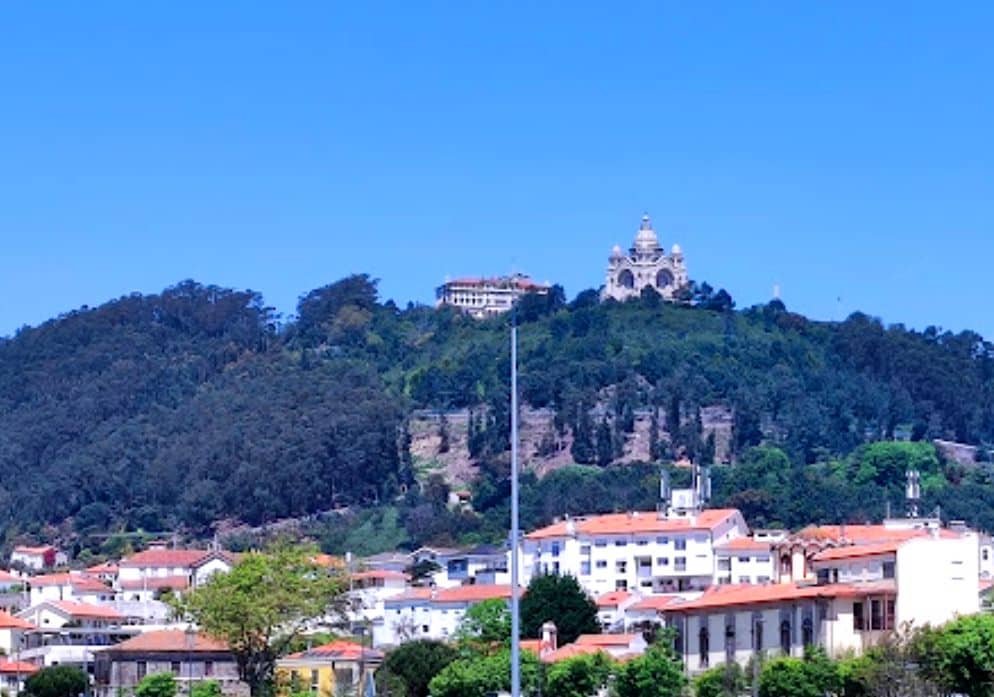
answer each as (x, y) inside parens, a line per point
(159, 567)
(367, 592)
(743, 560)
(862, 592)
(68, 633)
(485, 297)
(642, 551)
(483, 564)
(423, 613)
(71, 585)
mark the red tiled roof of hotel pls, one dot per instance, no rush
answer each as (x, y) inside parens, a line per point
(656, 602)
(606, 639)
(170, 640)
(523, 282)
(747, 594)
(473, 593)
(39, 551)
(339, 650)
(638, 522)
(8, 621)
(743, 544)
(155, 583)
(858, 551)
(612, 599)
(80, 582)
(17, 668)
(384, 574)
(86, 610)
(175, 558)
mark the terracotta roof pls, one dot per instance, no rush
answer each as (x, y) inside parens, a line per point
(858, 551)
(186, 558)
(44, 549)
(105, 568)
(469, 594)
(328, 561)
(18, 667)
(80, 582)
(533, 645)
(612, 599)
(384, 574)
(864, 534)
(155, 583)
(748, 594)
(571, 650)
(743, 544)
(341, 651)
(86, 610)
(634, 523)
(411, 594)
(523, 282)
(656, 602)
(7, 577)
(8, 621)
(606, 639)
(170, 640)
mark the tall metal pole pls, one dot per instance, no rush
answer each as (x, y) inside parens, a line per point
(515, 618)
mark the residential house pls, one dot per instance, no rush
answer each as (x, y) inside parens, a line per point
(337, 668)
(12, 631)
(611, 608)
(67, 632)
(190, 656)
(160, 567)
(387, 561)
(485, 564)
(70, 585)
(13, 674)
(37, 558)
(367, 592)
(424, 613)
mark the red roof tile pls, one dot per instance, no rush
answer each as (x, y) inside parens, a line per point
(78, 581)
(656, 602)
(612, 599)
(570, 651)
(743, 544)
(7, 577)
(606, 639)
(634, 523)
(734, 595)
(411, 594)
(17, 667)
(36, 551)
(186, 558)
(865, 534)
(105, 568)
(86, 610)
(170, 640)
(858, 551)
(469, 594)
(8, 621)
(339, 650)
(155, 583)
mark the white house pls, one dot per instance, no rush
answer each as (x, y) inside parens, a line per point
(159, 567)
(423, 613)
(862, 592)
(67, 632)
(611, 608)
(37, 558)
(369, 589)
(743, 560)
(645, 551)
(71, 585)
(484, 564)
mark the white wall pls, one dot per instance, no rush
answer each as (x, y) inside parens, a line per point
(937, 579)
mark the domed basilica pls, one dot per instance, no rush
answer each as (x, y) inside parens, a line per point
(646, 264)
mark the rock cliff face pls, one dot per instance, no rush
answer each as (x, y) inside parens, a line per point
(542, 448)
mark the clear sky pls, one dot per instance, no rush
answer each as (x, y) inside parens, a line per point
(844, 150)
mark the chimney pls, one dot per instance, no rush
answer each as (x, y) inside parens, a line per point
(570, 526)
(549, 639)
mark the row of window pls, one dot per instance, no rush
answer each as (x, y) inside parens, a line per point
(679, 544)
(786, 639)
(621, 566)
(176, 668)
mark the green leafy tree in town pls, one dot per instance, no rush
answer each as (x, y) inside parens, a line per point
(262, 605)
(407, 669)
(485, 625)
(656, 673)
(479, 676)
(815, 675)
(559, 599)
(579, 676)
(206, 688)
(726, 680)
(56, 681)
(959, 656)
(156, 685)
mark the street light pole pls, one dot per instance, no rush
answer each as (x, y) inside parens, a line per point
(515, 618)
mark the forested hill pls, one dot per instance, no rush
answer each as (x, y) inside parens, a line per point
(195, 405)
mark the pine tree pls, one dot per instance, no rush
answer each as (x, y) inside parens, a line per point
(443, 434)
(583, 437)
(654, 436)
(605, 446)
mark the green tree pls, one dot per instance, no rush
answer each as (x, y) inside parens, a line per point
(56, 681)
(726, 680)
(959, 656)
(206, 688)
(478, 676)
(156, 685)
(558, 599)
(407, 669)
(485, 624)
(813, 676)
(656, 673)
(579, 676)
(262, 605)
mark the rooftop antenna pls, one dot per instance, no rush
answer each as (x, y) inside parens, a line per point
(913, 492)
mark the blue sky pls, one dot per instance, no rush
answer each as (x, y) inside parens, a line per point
(843, 150)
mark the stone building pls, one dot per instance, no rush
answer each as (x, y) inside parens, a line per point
(646, 265)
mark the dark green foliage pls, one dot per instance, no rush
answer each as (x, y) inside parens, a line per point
(156, 685)
(56, 681)
(813, 676)
(561, 600)
(727, 680)
(656, 673)
(407, 669)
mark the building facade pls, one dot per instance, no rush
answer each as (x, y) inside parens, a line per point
(486, 297)
(647, 265)
(337, 668)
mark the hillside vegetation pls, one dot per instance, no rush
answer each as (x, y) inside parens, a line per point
(194, 405)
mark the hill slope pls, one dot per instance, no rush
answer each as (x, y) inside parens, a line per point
(190, 406)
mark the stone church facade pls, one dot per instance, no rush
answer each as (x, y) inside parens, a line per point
(646, 265)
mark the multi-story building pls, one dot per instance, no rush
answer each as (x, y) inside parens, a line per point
(647, 265)
(67, 632)
(160, 567)
(485, 297)
(337, 668)
(744, 560)
(71, 585)
(424, 613)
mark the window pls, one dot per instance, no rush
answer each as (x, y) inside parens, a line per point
(985, 555)
(730, 641)
(680, 563)
(208, 668)
(857, 617)
(584, 568)
(889, 619)
(621, 566)
(343, 678)
(641, 543)
(646, 584)
(807, 632)
(601, 563)
(424, 629)
(315, 681)
(555, 568)
(762, 579)
(555, 549)
(744, 579)
(142, 669)
(620, 543)
(743, 560)
(888, 569)
(662, 540)
(645, 563)
(585, 549)
(785, 637)
(175, 667)
(757, 633)
(620, 584)
(600, 543)
(724, 565)
(680, 544)
(876, 615)
(663, 561)
(704, 641)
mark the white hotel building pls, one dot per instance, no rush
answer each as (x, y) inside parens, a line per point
(485, 297)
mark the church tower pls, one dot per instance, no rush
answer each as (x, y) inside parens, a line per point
(646, 264)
